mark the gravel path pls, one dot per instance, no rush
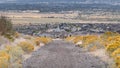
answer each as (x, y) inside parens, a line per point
(61, 54)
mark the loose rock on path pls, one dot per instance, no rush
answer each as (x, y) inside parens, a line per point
(61, 54)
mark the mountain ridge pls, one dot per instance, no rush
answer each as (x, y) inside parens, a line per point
(63, 1)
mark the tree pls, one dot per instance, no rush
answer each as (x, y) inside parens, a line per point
(5, 25)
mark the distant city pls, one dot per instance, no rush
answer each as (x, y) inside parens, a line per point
(63, 30)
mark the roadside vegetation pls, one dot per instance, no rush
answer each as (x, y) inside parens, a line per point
(110, 41)
(15, 46)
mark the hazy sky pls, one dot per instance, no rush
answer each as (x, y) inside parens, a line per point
(92, 1)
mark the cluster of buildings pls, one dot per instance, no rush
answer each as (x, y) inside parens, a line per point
(65, 29)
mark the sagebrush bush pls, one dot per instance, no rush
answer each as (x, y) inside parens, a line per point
(3, 53)
(15, 52)
(107, 37)
(4, 63)
(87, 41)
(44, 40)
(90, 42)
(4, 59)
(70, 38)
(113, 46)
(116, 52)
(109, 34)
(77, 39)
(26, 46)
(37, 41)
(117, 61)
(10, 55)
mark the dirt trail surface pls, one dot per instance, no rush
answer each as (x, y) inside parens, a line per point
(61, 54)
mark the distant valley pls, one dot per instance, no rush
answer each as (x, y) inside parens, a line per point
(61, 13)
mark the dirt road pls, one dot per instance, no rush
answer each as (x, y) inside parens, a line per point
(61, 54)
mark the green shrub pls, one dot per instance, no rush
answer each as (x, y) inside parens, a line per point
(10, 37)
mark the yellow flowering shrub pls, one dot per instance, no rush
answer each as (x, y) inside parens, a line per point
(77, 39)
(26, 46)
(70, 38)
(4, 63)
(15, 53)
(4, 54)
(109, 40)
(4, 59)
(118, 66)
(37, 41)
(109, 33)
(113, 46)
(44, 40)
(108, 37)
(114, 38)
(90, 39)
(116, 52)
(91, 42)
(117, 61)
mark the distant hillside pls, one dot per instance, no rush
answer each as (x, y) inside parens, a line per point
(83, 1)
